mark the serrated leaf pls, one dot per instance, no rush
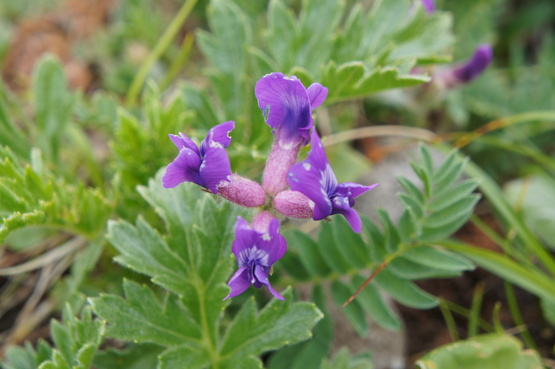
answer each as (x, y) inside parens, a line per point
(32, 198)
(307, 353)
(354, 80)
(278, 324)
(133, 356)
(144, 251)
(141, 317)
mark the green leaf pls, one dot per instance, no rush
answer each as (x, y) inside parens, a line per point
(354, 312)
(76, 342)
(433, 257)
(11, 135)
(53, 104)
(33, 196)
(144, 251)
(453, 196)
(310, 352)
(375, 305)
(142, 318)
(226, 49)
(278, 324)
(309, 252)
(353, 80)
(486, 351)
(405, 292)
(133, 356)
(343, 360)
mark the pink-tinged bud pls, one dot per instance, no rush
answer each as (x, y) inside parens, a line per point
(242, 191)
(294, 204)
(261, 221)
(281, 158)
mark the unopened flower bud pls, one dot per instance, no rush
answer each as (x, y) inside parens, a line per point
(294, 204)
(242, 191)
(261, 221)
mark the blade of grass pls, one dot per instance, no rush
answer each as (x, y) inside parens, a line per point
(182, 57)
(449, 320)
(156, 53)
(517, 316)
(505, 267)
(495, 195)
(475, 309)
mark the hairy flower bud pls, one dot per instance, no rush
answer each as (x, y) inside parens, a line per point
(242, 191)
(294, 204)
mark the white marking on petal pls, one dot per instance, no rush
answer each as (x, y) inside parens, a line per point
(215, 144)
(306, 166)
(266, 237)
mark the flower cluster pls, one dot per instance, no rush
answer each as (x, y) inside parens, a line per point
(307, 189)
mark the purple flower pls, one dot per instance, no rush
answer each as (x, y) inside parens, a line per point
(315, 179)
(287, 107)
(256, 249)
(476, 65)
(207, 165)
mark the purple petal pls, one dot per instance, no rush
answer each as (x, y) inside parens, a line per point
(220, 134)
(429, 6)
(215, 168)
(273, 243)
(316, 95)
(182, 141)
(262, 277)
(239, 282)
(476, 65)
(315, 179)
(286, 105)
(352, 190)
(245, 238)
(341, 205)
(185, 168)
